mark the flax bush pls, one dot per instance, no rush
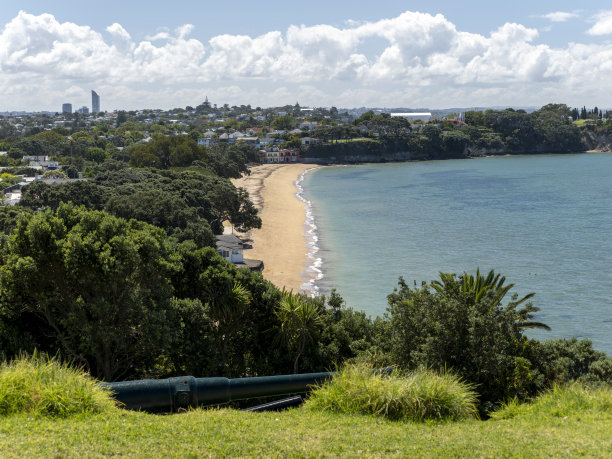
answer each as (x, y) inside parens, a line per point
(417, 396)
(44, 386)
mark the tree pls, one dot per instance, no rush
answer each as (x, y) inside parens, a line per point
(9, 216)
(91, 286)
(555, 131)
(34, 147)
(517, 128)
(16, 153)
(299, 320)
(478, 286)
(460, 323)
(121, 117)
(228, 299)
(241, 213)
(164, 152)
(432, 136)
(583, 113)
(554, 113)
(284, 122)
(454, 143)
(229, 161)
(384, 125)
(228, 309)
(474, 118)
(163, 209)
(52, 137)
(575, 114)
(96, 154)
(55, 174)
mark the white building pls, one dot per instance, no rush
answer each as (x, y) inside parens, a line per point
(424, 116)
(230, 247)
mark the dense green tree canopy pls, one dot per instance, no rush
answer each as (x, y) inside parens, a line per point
(188, 204)
(90, 285)
(284, 122)
(164, 152)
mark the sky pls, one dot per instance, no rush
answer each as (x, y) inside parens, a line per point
(163, 54)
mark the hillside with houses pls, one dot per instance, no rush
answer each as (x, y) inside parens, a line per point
(69, 146)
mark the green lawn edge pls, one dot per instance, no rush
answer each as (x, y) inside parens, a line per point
(301, 433)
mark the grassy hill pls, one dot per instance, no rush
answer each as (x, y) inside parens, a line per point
(299, 432)
(564, 422)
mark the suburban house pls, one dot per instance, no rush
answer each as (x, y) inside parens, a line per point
(310, 125)
(207, 142)
(237, 135)
(231, 248)
(269, 156)
(273, 155)
(41, 162)
(253, 141)
(35, 158)
(310, 141)
(289, 155)
(276, 132)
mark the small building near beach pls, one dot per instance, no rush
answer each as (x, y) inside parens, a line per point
(231, 247)
(273, 155)
(289, 155)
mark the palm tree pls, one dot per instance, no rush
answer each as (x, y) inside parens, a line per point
(492, 286)
(227, 310)
(299, 321)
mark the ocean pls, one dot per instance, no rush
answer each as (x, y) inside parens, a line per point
(544, 222)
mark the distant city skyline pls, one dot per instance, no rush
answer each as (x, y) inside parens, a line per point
(384, 54)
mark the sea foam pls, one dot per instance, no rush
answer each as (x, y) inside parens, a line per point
(313, 271)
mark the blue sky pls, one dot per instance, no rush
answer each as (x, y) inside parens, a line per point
(146, 54)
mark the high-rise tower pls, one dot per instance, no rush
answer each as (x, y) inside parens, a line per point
(95, 102)
(66, 108)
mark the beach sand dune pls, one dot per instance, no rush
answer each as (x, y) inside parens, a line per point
(281, 241)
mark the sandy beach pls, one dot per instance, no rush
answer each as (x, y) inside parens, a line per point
(281, 241)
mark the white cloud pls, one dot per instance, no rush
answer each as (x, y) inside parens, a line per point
(116, 30)
(184, 30)
(424, 60)
(603, 24)
(559, 16)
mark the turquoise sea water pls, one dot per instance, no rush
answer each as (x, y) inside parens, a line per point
(544, 222)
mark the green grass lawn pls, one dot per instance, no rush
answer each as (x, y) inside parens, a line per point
(583, 122)
(48, 409)
(358, 139)
(302, 432)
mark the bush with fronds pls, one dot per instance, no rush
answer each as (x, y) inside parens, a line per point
(418, 396)
(44, 386)
(573, 399)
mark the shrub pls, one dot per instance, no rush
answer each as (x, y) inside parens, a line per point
(418, 396)
(45, 386)
(563, 360)
(461, 323)
(560, 401)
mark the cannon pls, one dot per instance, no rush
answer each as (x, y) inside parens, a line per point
(173, 394)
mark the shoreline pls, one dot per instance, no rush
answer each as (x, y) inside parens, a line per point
(286, 241)
(318, 162)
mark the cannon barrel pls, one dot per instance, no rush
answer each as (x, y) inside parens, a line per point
(166, 395)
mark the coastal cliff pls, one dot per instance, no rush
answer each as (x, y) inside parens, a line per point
(375, 152)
